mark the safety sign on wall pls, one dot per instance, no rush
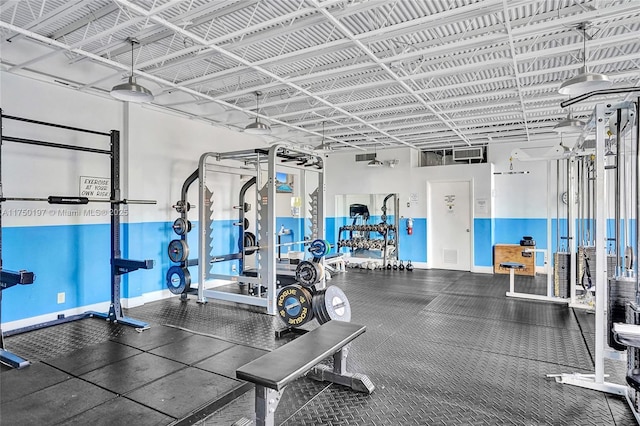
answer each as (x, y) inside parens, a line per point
(95, 187)
(450, 202)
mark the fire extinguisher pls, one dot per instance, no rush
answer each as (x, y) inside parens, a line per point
(409, 226)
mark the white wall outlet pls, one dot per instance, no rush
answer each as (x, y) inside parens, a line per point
(61, 297)
(233, 268)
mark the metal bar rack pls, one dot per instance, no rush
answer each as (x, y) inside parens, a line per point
(119, 265)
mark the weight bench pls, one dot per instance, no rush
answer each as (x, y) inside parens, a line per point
(512, 266)
(272, 372)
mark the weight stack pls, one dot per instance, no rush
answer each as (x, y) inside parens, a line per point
(561, 274)
(633, 353)
(590, 252)
(621, 292)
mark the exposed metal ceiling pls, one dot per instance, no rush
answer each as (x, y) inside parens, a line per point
(424, 74)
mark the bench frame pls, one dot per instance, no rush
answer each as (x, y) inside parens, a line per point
(267, 398)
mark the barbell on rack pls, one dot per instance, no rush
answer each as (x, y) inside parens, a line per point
(73, 200)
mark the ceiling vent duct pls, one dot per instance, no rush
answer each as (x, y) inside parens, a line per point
(366, 157)
(464, 154)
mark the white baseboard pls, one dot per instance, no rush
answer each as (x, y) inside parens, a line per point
(12, 325)
(126, 303)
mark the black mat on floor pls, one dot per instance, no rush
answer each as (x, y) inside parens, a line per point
(54, 404)
(442, 347)
(119, 411)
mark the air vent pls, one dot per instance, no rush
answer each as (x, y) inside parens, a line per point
(365, 157)
(463, 154)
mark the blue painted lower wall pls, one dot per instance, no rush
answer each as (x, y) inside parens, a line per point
(74, 259)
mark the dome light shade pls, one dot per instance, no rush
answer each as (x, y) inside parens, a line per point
(569, 125)
(131, 92)
(584, 82)
(375, 163)
(257, 128)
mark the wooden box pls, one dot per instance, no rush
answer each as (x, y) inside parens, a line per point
(514, 253)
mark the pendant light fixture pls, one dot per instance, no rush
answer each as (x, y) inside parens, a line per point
(375, 162)
(325, 146)
(258, 127)
(569, 125)
(585, 81)
(131, 91)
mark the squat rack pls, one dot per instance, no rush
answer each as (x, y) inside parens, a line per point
(119, 266)
(266, 235)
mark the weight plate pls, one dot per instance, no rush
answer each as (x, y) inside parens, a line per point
(328, 247)
(246, 223)
(178, 251)
(178, 279)
(294, 305)
(318, 248)
(308, 273)
(317, 302)
(181, 226)
(336, 306)
(249, 241)
(320, 267)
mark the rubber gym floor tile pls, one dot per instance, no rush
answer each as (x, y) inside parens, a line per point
(507, 387)
(54, 404)
(14, 384)
(192, 349)
(226, 363)
(224, 320)
(548, 344)
(295, 396)
(132, 373)
(92, 357)
(119, 411)
(184, 391)
(51, 342)
(506, 309)
(156, 336)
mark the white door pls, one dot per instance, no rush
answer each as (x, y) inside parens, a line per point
(450, 225)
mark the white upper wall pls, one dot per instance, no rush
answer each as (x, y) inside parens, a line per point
(346, 176)
(158, 150)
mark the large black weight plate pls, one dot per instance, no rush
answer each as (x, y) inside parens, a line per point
(249, 241)
(308, 273)
(178, 251)
(336, 305)
(318, 303)
(178, 279)
(294, 305)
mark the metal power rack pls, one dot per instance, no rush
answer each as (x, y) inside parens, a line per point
(277, 157)
(119, 266)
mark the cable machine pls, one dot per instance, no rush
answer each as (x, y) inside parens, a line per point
(119, 266)
(265, 242)
(600, 197)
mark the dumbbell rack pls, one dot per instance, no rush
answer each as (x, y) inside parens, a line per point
(389, 238)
